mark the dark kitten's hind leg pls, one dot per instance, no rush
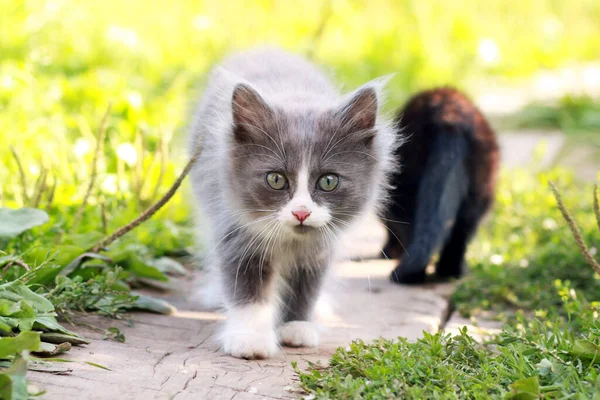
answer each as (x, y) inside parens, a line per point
(398, 237)
(298, 304)
(452, 258)
(413, 263)
(391, 249)
(411, 270)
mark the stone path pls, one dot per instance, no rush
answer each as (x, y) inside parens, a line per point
(520, 148)
(176, 356)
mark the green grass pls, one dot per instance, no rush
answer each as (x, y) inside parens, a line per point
(525, 256)
(63, 62)
(526, 270)
(520, 364)
(571, 114)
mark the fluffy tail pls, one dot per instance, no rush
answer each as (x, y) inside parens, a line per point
(443, 187)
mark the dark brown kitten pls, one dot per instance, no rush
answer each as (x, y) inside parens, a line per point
(445, 186)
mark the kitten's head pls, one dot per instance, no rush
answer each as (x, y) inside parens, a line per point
(308, 171)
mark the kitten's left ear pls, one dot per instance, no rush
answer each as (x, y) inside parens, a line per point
(360, 112)
(249, 108)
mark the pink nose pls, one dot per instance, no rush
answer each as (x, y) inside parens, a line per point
(301, 215)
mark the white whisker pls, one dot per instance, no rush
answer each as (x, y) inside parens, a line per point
(237, 229)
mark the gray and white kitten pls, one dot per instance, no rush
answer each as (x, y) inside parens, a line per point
(287, 165)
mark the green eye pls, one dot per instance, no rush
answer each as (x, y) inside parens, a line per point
(328, 182)
(276, 180)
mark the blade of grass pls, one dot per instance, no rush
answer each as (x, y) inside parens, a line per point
(164, 154)
(597, 205)
(94, 172)
(103, 215)
(51, 193)
(22, 176)
(40, 187)
(140, 145)
(575, 230)
(97, 365)
(64, 360)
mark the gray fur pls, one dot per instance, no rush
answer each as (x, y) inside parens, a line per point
(266, 110)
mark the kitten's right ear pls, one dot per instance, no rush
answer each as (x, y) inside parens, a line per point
(250, 112)
(360, 113)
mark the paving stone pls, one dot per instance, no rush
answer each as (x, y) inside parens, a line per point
(176, 356)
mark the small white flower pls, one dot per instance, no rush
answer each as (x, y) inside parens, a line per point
(126, 36)
(496, 259)
(127, 153)
(34, 169)
(524, 263)
(135, 100)
(7, 81)
(82, 147)
(549, 224)
(488, 51)
(593, 251)
(109, 184)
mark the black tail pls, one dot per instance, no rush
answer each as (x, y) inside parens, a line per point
(442, 189)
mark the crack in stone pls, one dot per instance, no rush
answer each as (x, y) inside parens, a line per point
(165, 381)
(161, 359)
(189, 380)
(255, 380)
(199, 344)
(186, 360)
(185, 385)
(212, 386)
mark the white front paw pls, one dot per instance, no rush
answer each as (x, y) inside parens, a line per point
(299, 334)
(250, 345)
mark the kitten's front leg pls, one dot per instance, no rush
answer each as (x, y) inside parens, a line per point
(251, 311)
(304, 285)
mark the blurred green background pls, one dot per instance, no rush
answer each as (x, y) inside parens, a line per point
(63, 62)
